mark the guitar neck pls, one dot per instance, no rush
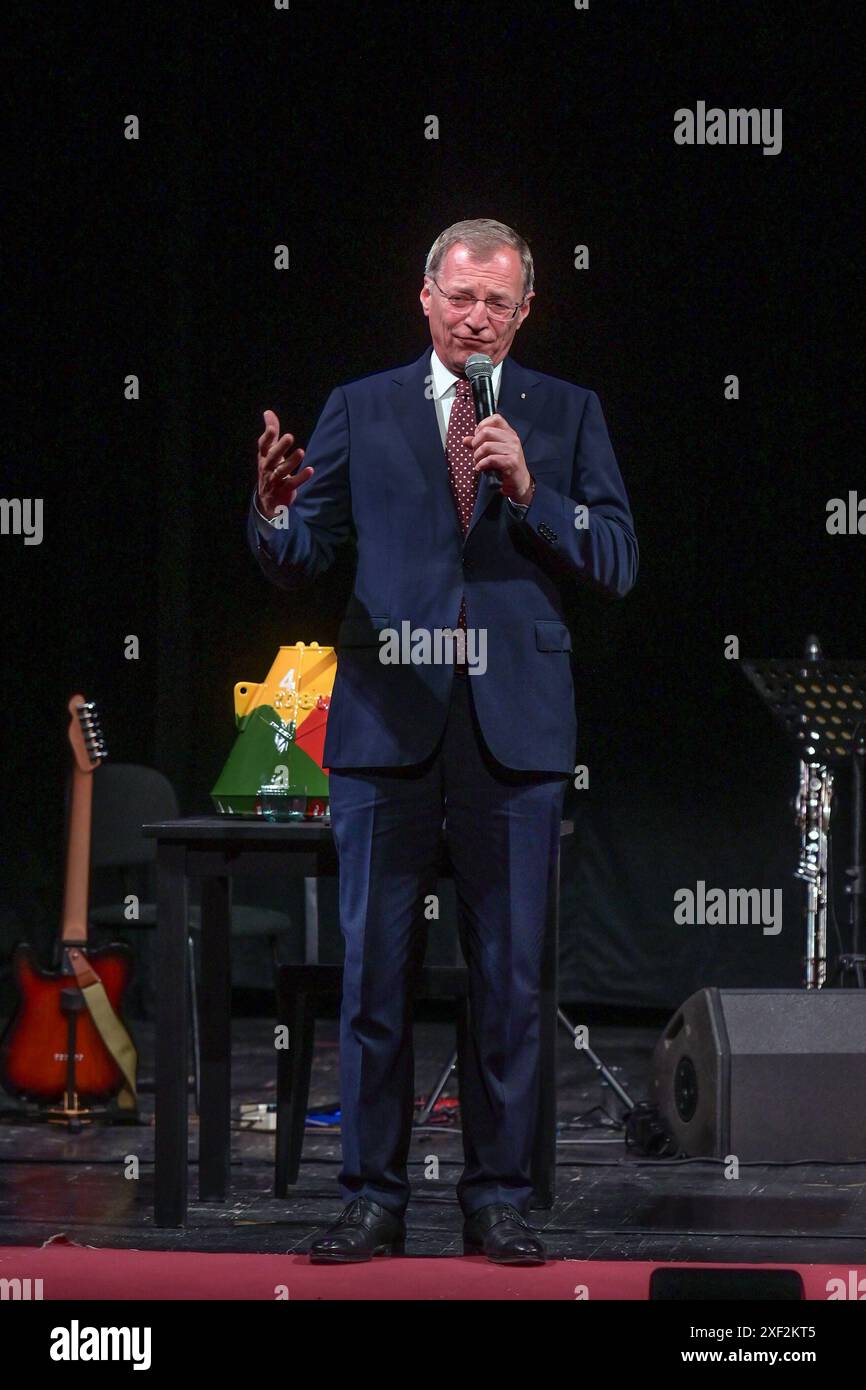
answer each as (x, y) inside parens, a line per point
(77, 886)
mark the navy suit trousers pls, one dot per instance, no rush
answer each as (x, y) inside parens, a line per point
(502, 828)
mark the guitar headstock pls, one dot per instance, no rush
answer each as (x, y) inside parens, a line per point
(85, 734)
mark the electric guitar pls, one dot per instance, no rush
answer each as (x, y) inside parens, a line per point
(53, 1051)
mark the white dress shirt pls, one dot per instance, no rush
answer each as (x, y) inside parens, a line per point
(445, 390)
(444, 396)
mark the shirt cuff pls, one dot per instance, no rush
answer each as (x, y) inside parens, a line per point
(265, 526)
(519, 508)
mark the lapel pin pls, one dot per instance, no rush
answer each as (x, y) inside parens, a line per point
(523, 395)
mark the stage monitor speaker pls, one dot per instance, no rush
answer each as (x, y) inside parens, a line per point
(748, 1285)
(769, 1076)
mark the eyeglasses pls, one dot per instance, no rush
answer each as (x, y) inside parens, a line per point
(501, 309)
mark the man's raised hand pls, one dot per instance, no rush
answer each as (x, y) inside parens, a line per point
(279, 478)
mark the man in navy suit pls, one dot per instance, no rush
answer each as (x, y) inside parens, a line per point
(453, 704)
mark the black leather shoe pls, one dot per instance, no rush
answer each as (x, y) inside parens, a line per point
(363, 1229)
(500, 1232)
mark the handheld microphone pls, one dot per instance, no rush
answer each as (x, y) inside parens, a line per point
(479, 372)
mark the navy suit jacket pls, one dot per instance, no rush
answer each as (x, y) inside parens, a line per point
(380, 468)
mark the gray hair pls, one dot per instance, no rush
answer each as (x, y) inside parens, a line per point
(483, 236)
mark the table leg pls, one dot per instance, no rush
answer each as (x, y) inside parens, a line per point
(172, 1025)
(214, 1154)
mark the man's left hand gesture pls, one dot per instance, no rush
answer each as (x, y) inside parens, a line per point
(496, 447)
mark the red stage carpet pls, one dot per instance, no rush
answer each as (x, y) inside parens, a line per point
(70, 1272)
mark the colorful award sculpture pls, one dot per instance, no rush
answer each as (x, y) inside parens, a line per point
(275, 767)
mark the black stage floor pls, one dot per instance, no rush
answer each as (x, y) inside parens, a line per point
(610, 1204)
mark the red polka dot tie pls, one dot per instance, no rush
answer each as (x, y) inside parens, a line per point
(461, 462)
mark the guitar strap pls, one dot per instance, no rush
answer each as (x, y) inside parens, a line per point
(108, 1025)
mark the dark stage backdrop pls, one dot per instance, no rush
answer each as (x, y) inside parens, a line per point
(307, 126)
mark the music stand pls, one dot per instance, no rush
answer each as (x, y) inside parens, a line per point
(821, 705)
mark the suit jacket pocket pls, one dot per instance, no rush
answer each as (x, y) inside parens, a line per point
(552, 636)
(361, 631)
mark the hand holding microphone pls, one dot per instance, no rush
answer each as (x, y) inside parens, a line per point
(496, 446)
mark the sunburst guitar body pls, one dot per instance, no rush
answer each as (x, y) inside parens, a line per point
(51, 1020)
